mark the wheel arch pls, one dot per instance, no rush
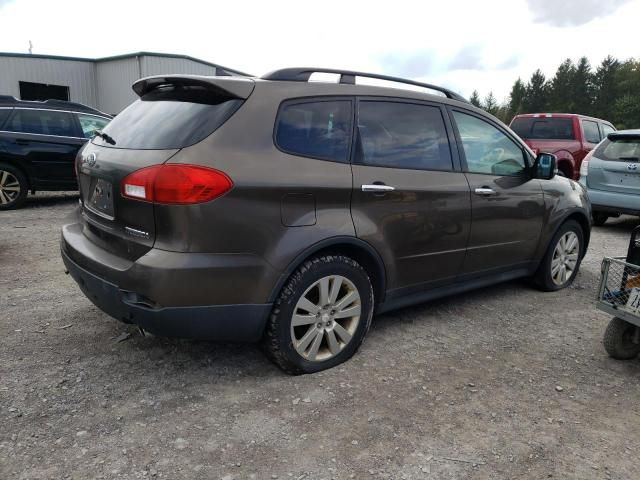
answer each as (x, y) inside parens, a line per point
(566, 160)
(22, 170)
(584, 223)
(353, 247)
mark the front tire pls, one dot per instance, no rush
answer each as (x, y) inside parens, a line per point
(561, 263)
(620, 340)
(321, 316)
(13, 187)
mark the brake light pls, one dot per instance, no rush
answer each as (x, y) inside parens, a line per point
(584, 166)
(174, 183)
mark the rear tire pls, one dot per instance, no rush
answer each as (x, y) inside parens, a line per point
(13, 187)
(618, 340)
(321, 316)
(599, 218)
(561, 262)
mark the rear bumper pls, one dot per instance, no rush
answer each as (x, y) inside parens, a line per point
(614, 202)
(112, 293)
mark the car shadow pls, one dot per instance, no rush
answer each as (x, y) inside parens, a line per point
(47, 199)
(623, 223)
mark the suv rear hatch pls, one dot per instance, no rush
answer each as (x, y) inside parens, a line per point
(173, 112)
(614, 165)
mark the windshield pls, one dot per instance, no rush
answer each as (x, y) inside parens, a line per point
(543, 128)
(168, 118)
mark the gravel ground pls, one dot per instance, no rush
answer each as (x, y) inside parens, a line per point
(504, 382)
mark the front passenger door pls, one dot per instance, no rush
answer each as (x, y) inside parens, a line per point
(507, 204)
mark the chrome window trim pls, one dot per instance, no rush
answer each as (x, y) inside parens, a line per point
(45, 135)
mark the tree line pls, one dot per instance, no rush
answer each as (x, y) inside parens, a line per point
(610, 92)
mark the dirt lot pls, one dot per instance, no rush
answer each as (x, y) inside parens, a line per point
(506, 382)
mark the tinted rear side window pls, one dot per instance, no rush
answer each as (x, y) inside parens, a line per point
(402, 135)
(318, 129)
(544, 128)
(4, 114)
(591, 131)
(623, 150)
(42, 122)
(606, 129)
(168, 118)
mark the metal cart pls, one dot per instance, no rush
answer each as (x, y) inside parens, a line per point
(619, 296)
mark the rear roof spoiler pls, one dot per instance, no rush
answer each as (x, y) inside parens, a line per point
(624, 135)
(238, 87)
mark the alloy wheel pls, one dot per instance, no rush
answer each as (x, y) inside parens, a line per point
(325, 318)
(9, 187)
(565, 258)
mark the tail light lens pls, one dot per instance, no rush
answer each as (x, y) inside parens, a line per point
(178, 184)
(584, 166)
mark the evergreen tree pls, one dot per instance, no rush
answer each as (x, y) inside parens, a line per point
(516, 99)
(561, 89)
(535, 99)
(475, 99)
(490, 104)
(583, 88)
(605, 88)
(626, 112)
(626, 109)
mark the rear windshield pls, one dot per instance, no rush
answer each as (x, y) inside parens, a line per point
(544, 128)
(168, 118)
(622, 150)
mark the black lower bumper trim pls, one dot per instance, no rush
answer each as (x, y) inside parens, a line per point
(233, 323)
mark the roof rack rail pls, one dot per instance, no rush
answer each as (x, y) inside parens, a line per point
(11, 101)
(349, 77)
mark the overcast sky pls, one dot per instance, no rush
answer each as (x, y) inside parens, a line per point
(462, 44)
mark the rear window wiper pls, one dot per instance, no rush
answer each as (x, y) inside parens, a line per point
(629, 159)
(105, 137)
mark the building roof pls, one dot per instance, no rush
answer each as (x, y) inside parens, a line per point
(122, 57)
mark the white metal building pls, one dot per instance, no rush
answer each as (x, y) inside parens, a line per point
(102, 83)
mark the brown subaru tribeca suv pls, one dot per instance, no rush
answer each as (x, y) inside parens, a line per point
(289, 211)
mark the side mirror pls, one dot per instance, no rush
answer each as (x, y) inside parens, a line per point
(545, 166)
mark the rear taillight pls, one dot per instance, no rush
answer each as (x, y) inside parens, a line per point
(174, 183)
(584, 166)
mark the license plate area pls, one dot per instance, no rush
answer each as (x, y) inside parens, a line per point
(100, 198)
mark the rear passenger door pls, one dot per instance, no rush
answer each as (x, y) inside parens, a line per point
(410, 200)
(507, 204)
(46, 143)
(591, 133)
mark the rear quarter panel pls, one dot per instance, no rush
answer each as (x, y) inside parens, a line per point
(249, 218)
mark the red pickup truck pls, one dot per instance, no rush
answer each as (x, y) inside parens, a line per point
(567, 135)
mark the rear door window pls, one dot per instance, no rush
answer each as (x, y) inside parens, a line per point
(42, 122)
(317, 129)
(402, 135)
(544, 128)
(170, 117)
(606, 129)
(591, 131)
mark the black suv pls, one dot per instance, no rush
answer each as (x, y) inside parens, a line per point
(289, 211)
(38, 145)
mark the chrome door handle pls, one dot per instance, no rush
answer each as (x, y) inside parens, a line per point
(378, 188)
(485, 191)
